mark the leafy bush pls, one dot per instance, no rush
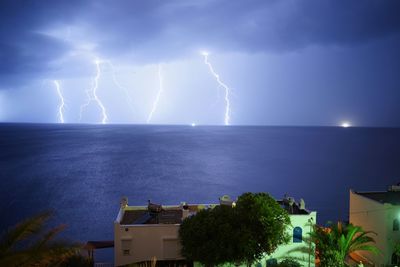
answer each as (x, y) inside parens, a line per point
(289, 263)
(77, 260)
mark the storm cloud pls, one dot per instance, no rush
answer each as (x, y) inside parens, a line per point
(338, 59)
(35, 34)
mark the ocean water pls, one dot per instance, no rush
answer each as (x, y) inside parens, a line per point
(81, 171)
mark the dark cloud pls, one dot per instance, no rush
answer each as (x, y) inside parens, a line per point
(243, 26)
(24, 51)
(32, 53)
(344, 22)
(153, 31)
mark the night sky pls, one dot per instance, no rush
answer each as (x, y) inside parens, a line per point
(284, 62)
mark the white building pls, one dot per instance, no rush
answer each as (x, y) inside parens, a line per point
(150, 233)
(378, 212)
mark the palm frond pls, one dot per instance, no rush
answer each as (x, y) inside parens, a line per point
(41, 250)
(49, 253)
(12, 259)
(49, 236)
(23, 231)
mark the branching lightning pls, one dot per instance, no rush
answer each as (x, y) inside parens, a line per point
(92, 95)
(226, 88)
(160, 90)
(96, 98)
(62, 102)
(89, 99)
(114, 77)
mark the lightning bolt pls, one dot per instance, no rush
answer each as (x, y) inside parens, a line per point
(96, 98)
(89, 99)
(226, 88)
(62, 102)
(92, 95)
(114, 78)
(160, 90)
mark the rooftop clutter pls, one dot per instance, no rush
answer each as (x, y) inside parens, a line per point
(158, 214)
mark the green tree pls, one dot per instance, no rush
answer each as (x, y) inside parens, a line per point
(207, 237)
(29, 244)
(397, 249)
(262, 224)
(335, 243)
(235, 235)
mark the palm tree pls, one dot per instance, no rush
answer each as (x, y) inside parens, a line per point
(336, 243)
(29, 244)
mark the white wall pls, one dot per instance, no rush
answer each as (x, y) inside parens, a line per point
(289, 250)
(158, 240)
(377, 217)
(145, 242)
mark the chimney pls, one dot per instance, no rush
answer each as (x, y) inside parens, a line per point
(291, 202)
(124, 202)
(225, 200)
(185, 210)
(302, 204)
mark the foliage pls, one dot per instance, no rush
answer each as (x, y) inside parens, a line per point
(236, 235)
(262, 224)
(207, 236)
(28, 244)
(397, 249)
(335, 243)
(77, 260)
(289, 263)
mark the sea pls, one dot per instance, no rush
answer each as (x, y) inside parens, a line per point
(82, 171)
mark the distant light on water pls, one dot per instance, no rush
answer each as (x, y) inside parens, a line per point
(345, 124)
(193, 124)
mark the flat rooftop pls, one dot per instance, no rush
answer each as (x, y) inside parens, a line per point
(139, 215)
(146, 217)
(168, 215)
(391, 197)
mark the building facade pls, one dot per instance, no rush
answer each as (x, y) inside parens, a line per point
(378, 212)
(151, 233)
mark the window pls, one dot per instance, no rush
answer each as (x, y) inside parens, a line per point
(126, 246)
(396, 225)
(297, 235)
(271, 262)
